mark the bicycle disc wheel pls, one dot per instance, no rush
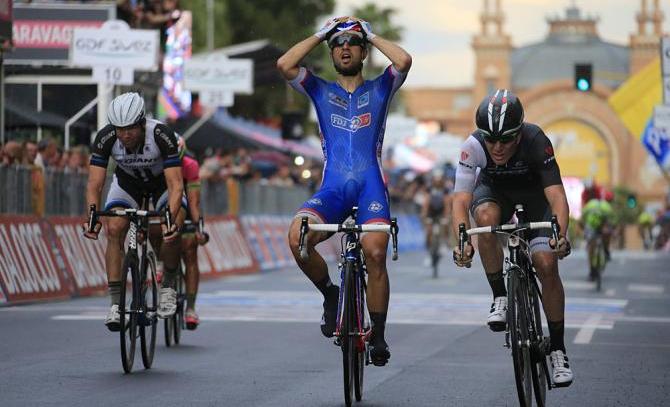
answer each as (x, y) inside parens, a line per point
(127, 312)
(359, 349)
(518, 327)
(539, 368)
(347, 340)
(178, 318)
(149, 317)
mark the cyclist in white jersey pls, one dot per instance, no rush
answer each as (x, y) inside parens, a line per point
(147, 163)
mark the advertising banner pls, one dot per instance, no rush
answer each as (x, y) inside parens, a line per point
(31, 267)
(42, 32)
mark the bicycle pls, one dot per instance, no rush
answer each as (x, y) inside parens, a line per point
(524, 335)
(598, 260)
(139, 301)
(175, 324)
(436, 228)
(352, 326)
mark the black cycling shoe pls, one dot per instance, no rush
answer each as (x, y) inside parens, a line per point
(329, 317)
(379, 352)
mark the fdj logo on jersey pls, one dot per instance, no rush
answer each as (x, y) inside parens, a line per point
(354, 124)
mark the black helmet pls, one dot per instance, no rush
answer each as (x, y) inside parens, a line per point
(500, 115)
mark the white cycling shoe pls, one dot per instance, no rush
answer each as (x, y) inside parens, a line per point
(113, 320)
(497, 320)
(561, 372)
(167, 302)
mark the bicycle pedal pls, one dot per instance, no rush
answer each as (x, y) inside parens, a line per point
(337, 342)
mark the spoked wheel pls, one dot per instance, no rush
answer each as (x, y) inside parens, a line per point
(347, 339)
(435, 251)
(128, 312)
(360, 348)
(178, 317)
(518, 328)
(149, 319)
(539, 368)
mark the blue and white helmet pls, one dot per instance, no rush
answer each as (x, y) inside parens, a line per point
(350, 27)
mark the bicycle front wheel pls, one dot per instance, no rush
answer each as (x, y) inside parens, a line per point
(518, 329)
(540, 346)
(346, 333)
(178, 317)
(600, 261)
(360, 348)
(128, 311)
(150, 305)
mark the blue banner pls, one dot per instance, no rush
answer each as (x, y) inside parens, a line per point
(657, 142)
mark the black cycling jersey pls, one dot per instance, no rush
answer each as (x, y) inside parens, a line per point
(436, 202)
(533, 165)
(143, 167)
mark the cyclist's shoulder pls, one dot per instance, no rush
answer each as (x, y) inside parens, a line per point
(104, 139)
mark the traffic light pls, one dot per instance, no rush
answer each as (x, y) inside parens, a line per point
(291, 126)
(583, 77)
(631, 201)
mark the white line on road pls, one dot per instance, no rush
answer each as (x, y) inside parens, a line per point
(646, 288)
(585, 334)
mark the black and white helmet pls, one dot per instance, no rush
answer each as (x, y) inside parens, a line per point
(500, 115)
(126, 110)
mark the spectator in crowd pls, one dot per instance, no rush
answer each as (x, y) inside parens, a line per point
(241, 164)
(46, 152)
(282, 177)
(12, 153)
(78, 160)
(29, 152)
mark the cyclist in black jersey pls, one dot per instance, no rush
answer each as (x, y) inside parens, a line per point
(437, 206)
(147, 163)
(503, 163)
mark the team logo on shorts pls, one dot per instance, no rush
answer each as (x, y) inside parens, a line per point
(375, 207)
(315, 201)
(354, 124)
(363, 100)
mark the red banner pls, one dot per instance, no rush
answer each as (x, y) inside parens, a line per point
(31, 267)
(47, 33)
(84, 258)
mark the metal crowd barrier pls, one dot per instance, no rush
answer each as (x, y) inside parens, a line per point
(65, 192)
(15, 189)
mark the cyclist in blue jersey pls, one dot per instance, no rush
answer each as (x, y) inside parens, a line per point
(352, 117)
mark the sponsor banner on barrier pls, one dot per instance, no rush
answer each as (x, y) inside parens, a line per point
(228, 250)
(84, 258)
(31, 267)
(258, 241)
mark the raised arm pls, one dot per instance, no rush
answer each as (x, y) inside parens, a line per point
(400, 58)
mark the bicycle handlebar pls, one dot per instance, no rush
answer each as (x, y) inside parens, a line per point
(305, 227)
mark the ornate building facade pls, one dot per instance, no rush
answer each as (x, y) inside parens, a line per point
(590, 140)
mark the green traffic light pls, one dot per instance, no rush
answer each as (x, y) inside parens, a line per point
(583, 85)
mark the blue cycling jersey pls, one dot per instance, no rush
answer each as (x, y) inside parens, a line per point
(352, 132)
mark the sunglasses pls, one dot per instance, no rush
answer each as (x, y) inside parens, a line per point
(352, 40)
(503, 140)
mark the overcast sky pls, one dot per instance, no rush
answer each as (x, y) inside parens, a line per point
(438, 33)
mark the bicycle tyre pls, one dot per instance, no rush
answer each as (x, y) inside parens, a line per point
(539, 368)
(128, 317)
(149, 306)
(167, 330)
(435, 253)
(178, 317)
(360, 348)
(518, 328)
(347, 341)
(599, 264)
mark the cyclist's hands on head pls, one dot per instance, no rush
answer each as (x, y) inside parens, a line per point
(563, 248)
(367, 28)
(466, 260)
(329, 26)
(93, 235)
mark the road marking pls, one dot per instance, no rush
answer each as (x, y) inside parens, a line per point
(585, 334)
(579, 285)
(646, 288)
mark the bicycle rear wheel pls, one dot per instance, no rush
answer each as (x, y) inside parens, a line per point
(150, 305)
(518, 328)
(539, 368)
(128, 312)
(347, 339)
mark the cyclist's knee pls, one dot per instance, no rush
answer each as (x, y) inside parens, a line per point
(487, 214)
(375, 255)
(545, 263)
(116, 229)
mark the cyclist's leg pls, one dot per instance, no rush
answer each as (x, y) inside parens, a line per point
(326, 206)
(169, 254)
(115, 229)
(189, 249)
(373, 207)
(489, 208)
(545, 262)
